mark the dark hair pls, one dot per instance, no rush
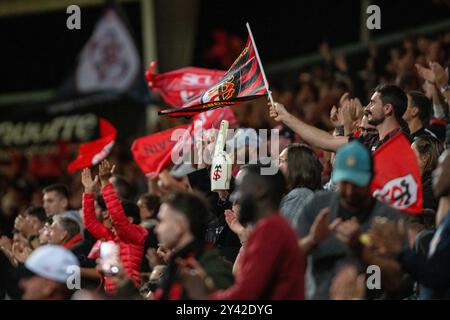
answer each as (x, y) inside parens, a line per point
(430, 149)
(37, 212)
(447, 135)
(101, 202)
(151, 202)
(274, 183)
(312, 88)
(131, 210)
(394, 95)
(59, 188)
(195, 208)
(304, 168)
(70, 225)
(408, 81)
(123, 187)
(421, 101)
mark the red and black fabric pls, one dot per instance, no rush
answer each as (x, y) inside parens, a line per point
(73, 241)
(171, 288)
(153, 153)
(242, 82)
(397, 180)
(269, 274)
(179, 86)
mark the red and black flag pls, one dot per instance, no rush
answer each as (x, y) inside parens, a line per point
(242, 82)
(179, 86)
(397, 180)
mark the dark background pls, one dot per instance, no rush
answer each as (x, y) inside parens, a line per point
(38, 51)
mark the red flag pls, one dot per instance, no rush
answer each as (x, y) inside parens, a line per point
(242, 82)
(178, 86)
(201, 123)
(91, 153)
(397, 178)
(151, 151)
(154, 153)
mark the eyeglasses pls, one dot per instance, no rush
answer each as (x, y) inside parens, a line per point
(368, 130)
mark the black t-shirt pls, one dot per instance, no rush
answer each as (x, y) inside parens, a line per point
(422, 132)
(9, 279)
(372, 141)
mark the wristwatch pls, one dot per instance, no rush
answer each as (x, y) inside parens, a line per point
(445, 88)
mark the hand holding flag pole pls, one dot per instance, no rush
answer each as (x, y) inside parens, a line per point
(245, 80)
(266, 83)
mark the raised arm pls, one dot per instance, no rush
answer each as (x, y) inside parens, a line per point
(316, 137)
(126, 230)
(95, 227)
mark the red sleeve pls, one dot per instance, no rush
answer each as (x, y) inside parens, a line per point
(256, 268)
(95, 227)
(128, 232)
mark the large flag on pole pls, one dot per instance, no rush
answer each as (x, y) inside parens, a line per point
(245, 80)
(397, 180)
(179, 86)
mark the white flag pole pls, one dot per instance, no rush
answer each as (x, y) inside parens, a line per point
(260, 64)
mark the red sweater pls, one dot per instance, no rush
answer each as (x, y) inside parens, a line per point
(130, 237)
(272, 266)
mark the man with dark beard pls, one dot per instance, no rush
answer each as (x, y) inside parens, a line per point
(384, 111)
(271, 266)
(352, 206)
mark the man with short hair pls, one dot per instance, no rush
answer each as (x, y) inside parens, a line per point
(65, 231)
(183, 218)
(30, 223)
(417, 114)
(270, 265)
(366, 128)
(384, 111)
(324, 211)
(46, 273)
(56, 201)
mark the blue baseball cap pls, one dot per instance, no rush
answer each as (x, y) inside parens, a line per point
(353, 164)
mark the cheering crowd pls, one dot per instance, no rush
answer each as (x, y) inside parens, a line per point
(313, 230)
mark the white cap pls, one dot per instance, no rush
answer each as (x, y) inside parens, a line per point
(52, 262)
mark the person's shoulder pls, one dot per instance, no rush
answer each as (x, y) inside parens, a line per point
(382, 209)
(212, 258)
(321, 196)
(299, 192)
(295, 195)
(275, 224)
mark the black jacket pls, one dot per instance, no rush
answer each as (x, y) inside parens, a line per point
(218, 232)
(9, 279)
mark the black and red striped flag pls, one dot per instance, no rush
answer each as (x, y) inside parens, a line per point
(242, 82)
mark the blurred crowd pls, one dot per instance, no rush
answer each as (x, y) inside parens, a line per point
(310, 231)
